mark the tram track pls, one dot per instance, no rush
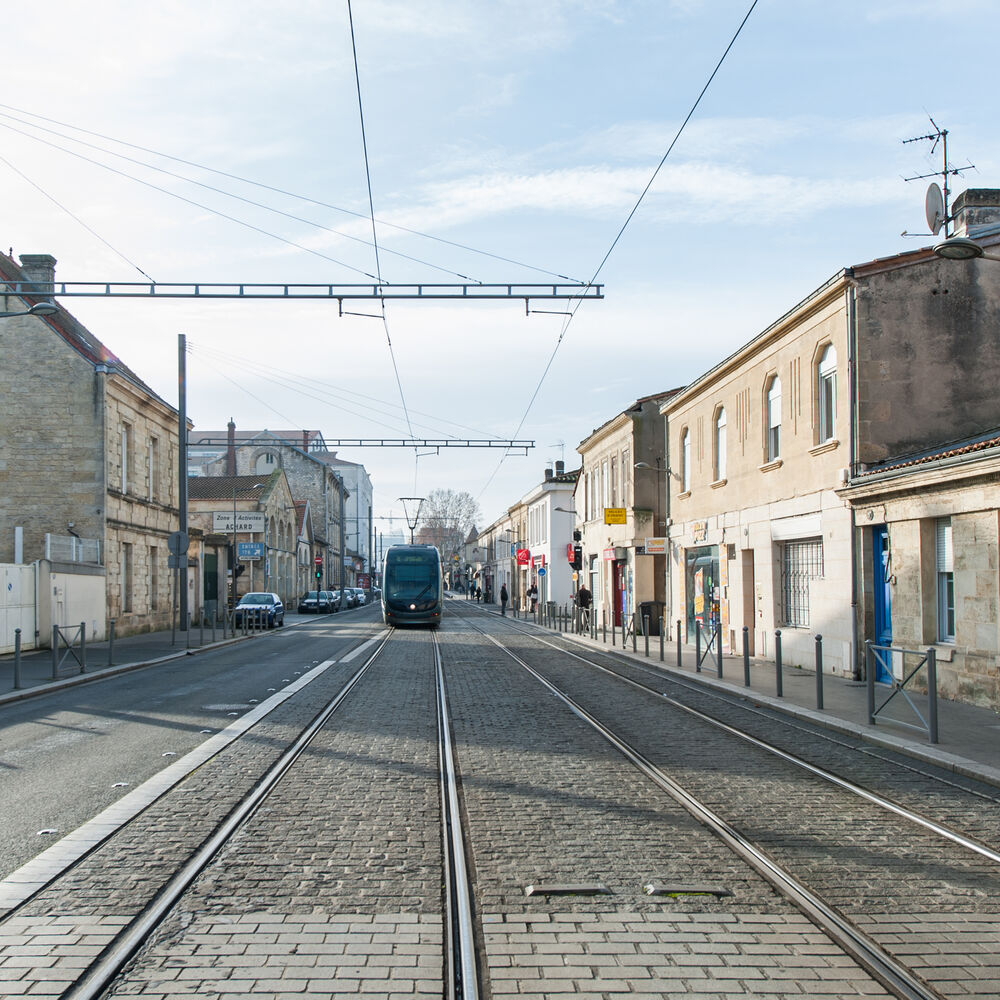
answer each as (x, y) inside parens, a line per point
(890, 969)
(459, 970)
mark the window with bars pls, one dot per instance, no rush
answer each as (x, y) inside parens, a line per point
(801, 562)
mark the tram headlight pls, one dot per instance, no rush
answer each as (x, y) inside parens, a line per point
(413, 607)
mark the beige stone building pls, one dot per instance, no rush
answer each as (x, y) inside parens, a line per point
(887, 359)
(623, 463)
(89, 467)
(931, 570)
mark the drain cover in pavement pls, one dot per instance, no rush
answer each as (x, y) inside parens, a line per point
(567, 889)
(684, 889)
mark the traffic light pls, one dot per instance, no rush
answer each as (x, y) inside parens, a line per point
(238, 569)
(319, 573)
(577, 557)
(577, 535)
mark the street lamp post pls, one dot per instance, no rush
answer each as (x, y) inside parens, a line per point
(962, 248)
(38, 309)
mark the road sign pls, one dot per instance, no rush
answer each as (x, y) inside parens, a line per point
(246, 520)
(576, 576)
(250, 550)
(177, 543)
(318, 560)
(542, 571)
(615, 515)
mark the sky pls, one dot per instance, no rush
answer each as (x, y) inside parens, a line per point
(526, 131)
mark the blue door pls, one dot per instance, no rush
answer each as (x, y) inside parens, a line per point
(882, 594)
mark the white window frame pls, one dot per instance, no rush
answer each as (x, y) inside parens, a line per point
(945, 576)
(774, 419)
(720, 444)
(826, 394)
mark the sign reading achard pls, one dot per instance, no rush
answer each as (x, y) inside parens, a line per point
(614, 515)
(246, 520)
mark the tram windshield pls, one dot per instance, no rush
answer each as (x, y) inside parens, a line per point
(409, 578)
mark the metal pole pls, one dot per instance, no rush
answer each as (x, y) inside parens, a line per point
(697, 647)
(718, 647)
(777, 662)
(635, 623)
(182, 472)
(746, 656)
(819, 672)
(870, 682)
(83, 646)
(17, 659)
(111, 642)
(663, 628)
(645, 632)
(678, 642)
(604, 625)
(932, 715)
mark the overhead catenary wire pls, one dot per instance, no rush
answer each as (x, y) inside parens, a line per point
(614, 243)
(93, 232)
(195, 204)
(289, 194)
(371, 206)
(327, 392)
(226, 194)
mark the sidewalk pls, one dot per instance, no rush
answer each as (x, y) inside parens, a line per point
(968, 736)
(129, 653)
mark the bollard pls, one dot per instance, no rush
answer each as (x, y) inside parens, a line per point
(746, 656)
(604, 626)
(213, 628)
(697, 648)
(55, 652)
(932, 719)
(17, 659)
(819, 672)
(718, 647)
(663, 628)
(678, 642)
(83, 646)
(111, 641)
(645, 632)
(777, 662)
(635, 628)
(614, 633)
(201, 629)
(870, 682)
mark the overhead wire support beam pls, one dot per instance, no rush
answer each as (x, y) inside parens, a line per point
(246, 290)
(513, 443)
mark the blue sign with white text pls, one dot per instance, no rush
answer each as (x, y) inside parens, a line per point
(250, 550)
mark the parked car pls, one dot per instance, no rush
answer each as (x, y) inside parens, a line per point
(326, 601)
(334, 600)
(264, 608)
(359, 596)
(309, 602)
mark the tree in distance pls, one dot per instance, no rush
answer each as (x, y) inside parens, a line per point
(446, 519)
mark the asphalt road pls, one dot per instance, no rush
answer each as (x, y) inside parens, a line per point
(67, 755)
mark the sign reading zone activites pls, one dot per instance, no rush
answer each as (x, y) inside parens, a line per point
(246, 520)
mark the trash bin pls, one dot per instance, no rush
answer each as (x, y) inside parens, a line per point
(653, 610)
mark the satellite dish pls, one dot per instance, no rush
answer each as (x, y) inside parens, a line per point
(934, 209)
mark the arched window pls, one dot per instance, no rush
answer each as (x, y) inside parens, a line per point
(686, 461)
(774, 419)
(266, 464)
(826, 395)
(720, 444)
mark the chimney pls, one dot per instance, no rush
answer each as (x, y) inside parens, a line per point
(40, 270)
(231, 449)
(305, 440)
(560, 468)
(976, 212)
(548, 473)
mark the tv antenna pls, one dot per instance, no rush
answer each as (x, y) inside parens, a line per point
(936, 198)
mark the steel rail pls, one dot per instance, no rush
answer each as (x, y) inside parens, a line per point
(463, 978)
(99, 976)
(893, 975)
(875, 799)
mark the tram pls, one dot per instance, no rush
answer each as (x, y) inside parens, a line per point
(411, 585)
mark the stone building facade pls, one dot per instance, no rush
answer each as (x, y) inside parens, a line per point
(89, 455)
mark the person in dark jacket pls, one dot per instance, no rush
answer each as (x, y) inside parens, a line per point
(503, 598)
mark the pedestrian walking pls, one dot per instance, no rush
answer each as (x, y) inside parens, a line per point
(584, 600)
(479, 594)
(503, 599)
(533, 595)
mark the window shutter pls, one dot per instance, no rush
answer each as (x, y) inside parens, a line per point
(943, 545)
